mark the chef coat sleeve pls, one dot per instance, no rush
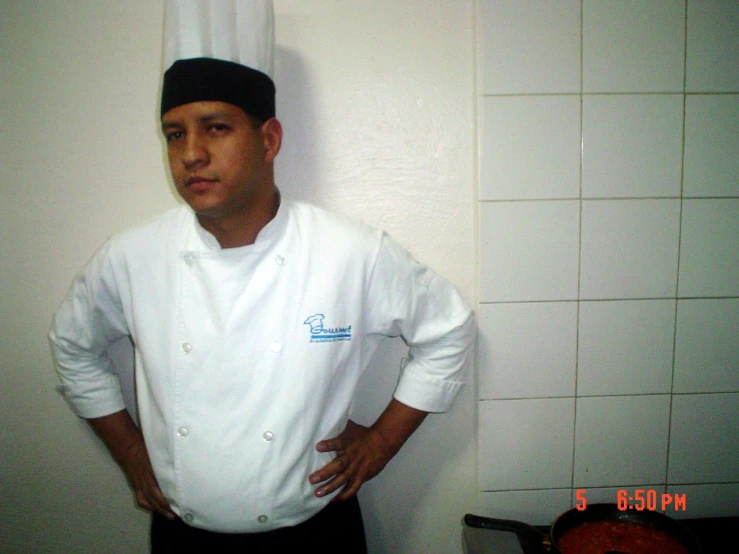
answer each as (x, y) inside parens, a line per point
(88, 321)
(409, 300)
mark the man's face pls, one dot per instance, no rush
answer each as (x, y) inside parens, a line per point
(221, 159)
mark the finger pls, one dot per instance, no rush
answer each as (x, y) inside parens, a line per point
(151, 504)
(350, 478)
(170, 515)
(150, 497)
(334, 467)
(333, 485)
(160, 503)
(143, 502)
(331, 445)
(350, 490)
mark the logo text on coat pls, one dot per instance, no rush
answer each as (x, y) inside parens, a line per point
(319, 333)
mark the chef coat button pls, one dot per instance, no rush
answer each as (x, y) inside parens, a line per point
(262, 519)
(189, 259)
(275, 347)
(268, 436)
(280, 260)
(186, 347)
(188, 517)
(182, 432)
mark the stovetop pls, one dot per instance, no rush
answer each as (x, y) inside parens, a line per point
(713, 534)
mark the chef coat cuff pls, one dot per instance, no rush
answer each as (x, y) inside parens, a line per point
(417, 390)
(106, 399)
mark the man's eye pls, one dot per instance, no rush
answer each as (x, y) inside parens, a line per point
(219, 127)
(174, 135)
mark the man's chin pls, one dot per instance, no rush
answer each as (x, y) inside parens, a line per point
(203, 209)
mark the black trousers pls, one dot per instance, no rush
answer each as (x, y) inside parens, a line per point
(337, 529)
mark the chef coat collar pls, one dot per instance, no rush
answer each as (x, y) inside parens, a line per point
(268, 234)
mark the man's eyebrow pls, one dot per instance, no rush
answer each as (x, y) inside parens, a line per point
(205, 118)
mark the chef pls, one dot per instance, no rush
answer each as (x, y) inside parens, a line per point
(253, 318)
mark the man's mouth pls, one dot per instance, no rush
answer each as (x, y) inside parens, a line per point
(197, 183)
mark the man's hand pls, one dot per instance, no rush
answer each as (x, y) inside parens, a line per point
(137, 467)
(126, 445)
(363, 452)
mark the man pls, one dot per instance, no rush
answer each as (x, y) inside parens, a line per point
(253, 318)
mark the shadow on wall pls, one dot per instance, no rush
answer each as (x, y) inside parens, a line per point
(297, 166)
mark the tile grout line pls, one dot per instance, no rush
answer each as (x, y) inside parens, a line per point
(604, 199)
(579, 256)
(633, 93)
(626, 299)
(613, 395)
(477, 219)
(679, 241)
(681, 484)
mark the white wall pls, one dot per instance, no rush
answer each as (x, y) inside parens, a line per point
(609, 265)
(376, 98)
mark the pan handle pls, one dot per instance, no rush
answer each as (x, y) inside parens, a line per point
(523, 530)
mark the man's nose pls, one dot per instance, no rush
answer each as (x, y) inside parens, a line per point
(194, 151)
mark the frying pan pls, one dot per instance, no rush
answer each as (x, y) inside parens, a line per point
(534, 541)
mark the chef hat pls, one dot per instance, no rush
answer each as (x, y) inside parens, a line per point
(219, 50)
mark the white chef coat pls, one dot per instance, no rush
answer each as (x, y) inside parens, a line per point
(247, 357)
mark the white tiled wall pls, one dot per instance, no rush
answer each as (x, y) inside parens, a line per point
(609, 253)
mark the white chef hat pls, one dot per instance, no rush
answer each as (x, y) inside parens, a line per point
(219, 50)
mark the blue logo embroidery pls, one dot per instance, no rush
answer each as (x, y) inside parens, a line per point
(319, 333)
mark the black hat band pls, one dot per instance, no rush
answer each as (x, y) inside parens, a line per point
(209, 79)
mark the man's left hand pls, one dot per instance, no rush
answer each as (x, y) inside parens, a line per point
(361, 453)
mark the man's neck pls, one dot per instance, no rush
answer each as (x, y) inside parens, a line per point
(242, 229)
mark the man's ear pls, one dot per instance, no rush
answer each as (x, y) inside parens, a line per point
(272, 139)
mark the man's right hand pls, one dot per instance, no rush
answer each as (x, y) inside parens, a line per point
(137, 467)
(126, 444)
